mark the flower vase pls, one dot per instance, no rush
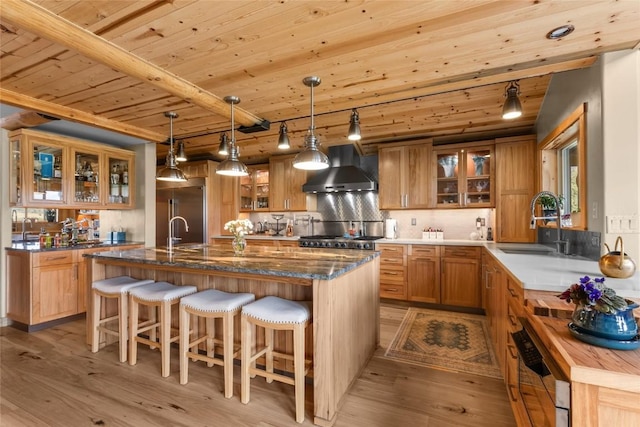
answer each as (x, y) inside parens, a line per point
(239, 244)
(478, 162)
(620, 326)
(448, 164)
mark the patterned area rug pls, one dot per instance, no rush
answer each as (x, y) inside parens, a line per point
(445, 340)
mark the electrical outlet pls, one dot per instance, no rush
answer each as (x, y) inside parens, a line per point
(483, 221)
(595, 241)
(413, 221)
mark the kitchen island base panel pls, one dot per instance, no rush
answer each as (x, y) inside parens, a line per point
(345, 330)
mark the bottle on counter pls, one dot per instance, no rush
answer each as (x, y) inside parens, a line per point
(48, 241)
(57, 240)
(64, 239)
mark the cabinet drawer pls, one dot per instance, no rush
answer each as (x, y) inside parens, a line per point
(425, 250)
(515, 292)
(462, 252)
(391, 263)
(513, 324)
(394, 291)
(393, 276)
(52, 258)
(391, 250)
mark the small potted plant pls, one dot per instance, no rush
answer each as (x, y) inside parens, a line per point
(548, 204)
(600, 313)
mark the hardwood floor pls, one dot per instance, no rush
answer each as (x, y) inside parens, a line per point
(50, 378)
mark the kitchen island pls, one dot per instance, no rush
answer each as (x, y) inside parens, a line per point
(343, 285)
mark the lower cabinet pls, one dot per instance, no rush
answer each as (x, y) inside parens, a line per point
(48, 285)
(423, 278)
(448, 275)
(460, 276)
(393, 267)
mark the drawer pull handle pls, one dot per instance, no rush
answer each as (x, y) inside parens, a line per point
(391, 273)
(512, 320)
(55, 258)
(512, 395)
(512, 292)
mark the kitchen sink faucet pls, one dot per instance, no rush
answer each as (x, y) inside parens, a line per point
(186, 227)
(562, 246)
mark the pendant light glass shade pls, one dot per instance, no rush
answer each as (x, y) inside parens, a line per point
(223, 149)
(283, 138)
(181, 156)
(311, 158)
(354, 126)
(512, 108)
(171, 172)
(232, 166)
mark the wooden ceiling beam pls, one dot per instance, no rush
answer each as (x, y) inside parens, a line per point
(71, 114)
(34, 18)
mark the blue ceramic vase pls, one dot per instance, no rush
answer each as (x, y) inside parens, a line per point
(619, 326)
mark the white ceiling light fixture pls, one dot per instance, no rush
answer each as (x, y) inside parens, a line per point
(512, 108)
(171, 172)
(354, 126)
(231, 166)
(560, 32)
(311, 158)
(181, 156)
(283, 137)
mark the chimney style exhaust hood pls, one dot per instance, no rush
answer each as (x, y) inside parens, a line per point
(344, 174)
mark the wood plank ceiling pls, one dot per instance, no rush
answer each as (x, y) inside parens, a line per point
(412, 68)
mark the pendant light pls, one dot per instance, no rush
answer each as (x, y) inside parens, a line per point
(354, 126)
(512, 108)
(223, 148)
(283, 137)
(231, 166)
(181, 156)
(311, 158)
(171, 172)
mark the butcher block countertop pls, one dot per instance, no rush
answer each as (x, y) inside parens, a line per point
(263, 260)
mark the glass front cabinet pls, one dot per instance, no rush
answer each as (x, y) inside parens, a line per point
(464, 176)
(254, 190)
(49, 170)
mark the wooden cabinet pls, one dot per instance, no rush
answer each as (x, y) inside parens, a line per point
(423, 274)
(463, 175)
(48, 285)
(405, 177)
(254, 189)
(53, 171)
(515, 187)
(393, 268)
(460, 277)
(286, 186)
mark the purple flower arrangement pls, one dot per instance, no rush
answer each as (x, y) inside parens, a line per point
(594, 295)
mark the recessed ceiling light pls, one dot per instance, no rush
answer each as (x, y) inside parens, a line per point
(560, 32)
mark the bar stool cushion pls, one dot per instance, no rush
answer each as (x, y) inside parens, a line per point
(161, 291)
(278, 310)
(215, 301)
(118, 285)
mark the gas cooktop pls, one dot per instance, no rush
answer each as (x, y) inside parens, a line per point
(338, 242)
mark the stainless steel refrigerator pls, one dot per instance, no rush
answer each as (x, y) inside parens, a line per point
(186, 199)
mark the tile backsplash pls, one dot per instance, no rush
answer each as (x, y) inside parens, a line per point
(458, 224)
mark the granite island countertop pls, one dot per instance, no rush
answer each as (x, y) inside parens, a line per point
(35, 246)
(293, 262)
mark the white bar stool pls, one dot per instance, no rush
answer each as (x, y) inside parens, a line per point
(118, 288)
(273, 313)
(211, 304)
(158, 295)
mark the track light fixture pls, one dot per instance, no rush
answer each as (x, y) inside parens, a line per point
(181, 156)
(311, 158)
(512, 108)
(223, 148)
(171, 172)
(354, 126)
(283, 137)
(232, 166)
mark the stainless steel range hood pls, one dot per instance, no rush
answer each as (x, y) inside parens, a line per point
(344, 174)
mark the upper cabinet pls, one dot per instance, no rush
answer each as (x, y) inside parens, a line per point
(49, 170)
(405, 177)
(254, 189)
(464, 175)
(286, 186)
